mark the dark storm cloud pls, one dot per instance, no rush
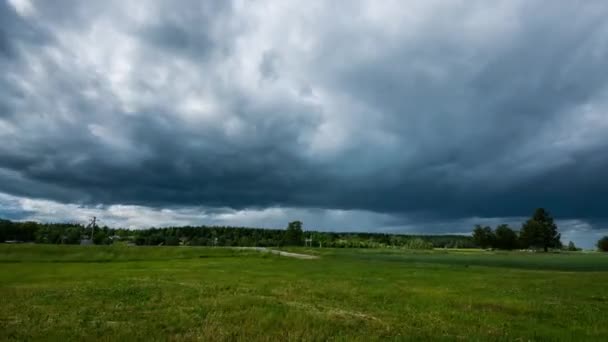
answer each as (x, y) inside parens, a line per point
(11, 25)
(194, 28)
(459, 111)
(15, 30)
(5, 45)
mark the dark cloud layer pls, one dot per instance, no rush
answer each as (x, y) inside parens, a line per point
(448, 111)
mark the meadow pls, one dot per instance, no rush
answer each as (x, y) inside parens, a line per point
(50, 292)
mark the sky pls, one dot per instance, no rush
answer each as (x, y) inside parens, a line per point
(417, 116)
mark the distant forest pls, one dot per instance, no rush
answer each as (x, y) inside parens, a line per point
(293, 235)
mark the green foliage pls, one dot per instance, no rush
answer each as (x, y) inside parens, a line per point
(71, 235)
(540, 232)
(602, 244)
(100, 237)
(484, 236)
(418, 243)
(171, 241)
(217, 236)
(294, 236)
(505, 238)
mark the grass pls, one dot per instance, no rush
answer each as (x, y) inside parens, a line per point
(189, 293)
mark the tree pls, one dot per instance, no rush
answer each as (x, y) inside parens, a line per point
(602, 244)
(572, 247)
(294, 236)
(483, 236)
(171, 241)
(6, 229)
(540, 231)
(72, 235)
(506, 238)
(100, 237)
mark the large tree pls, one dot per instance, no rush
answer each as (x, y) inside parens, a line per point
(483, 236)
(506, 238)
(540, 231)
(294, 236)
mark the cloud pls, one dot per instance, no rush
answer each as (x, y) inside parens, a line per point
(419, 109)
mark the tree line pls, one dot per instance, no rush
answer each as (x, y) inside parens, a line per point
(293, 235)
(538, 232)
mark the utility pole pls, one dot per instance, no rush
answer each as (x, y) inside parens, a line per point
(93, 224)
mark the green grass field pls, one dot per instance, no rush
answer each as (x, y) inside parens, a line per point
(189, 293)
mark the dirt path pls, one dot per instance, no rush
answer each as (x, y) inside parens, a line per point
(281, 253)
